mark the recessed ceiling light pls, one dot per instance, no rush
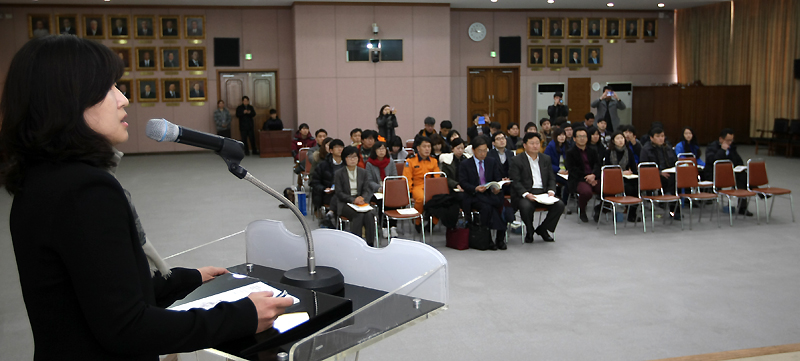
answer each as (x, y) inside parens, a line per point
(611, 5)
(661, 5)
(494, 1)
(551, 1)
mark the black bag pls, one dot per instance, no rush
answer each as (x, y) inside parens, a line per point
(480, 238)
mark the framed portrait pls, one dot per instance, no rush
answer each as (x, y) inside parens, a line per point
(613, 29)
(555, 28)
(536, 28)
(39, 25)
(632, 28)
(145, 27)
(125, 87)
(170, 58)
(119, 26)
(195, 58)
(67, 24)
(594, 28)
(124, 53)
(173, 91)
(594, 55)
(148, 90)
(195, 26)
(536, 56)
(93, 26)
(169, 27)
(575, 56)
(555, 56)
(575, 28)
(197, 89)
(146, 59)
(649, 29)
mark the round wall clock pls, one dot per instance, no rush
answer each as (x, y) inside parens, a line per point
(477, 31)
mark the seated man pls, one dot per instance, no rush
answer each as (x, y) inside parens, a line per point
(472, 176)
(445, 127)
(415, 170)
(430, 127)
(723, 148)
(658, 152)
(530, 174)
(583, 166)
(500, 153)
(629, 131)
(355, 137)
(368, 138)
(345, 192)
(322, 179)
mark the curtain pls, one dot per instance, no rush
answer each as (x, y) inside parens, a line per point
(703, 43)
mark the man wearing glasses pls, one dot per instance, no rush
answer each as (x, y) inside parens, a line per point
(472, 177)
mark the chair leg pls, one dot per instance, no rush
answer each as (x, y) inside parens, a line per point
(652, 214)
(614, 216)
(791, 205)
(691, 211)
(423, 230)
(599, 215)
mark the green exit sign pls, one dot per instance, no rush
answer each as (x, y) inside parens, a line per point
(248, 56)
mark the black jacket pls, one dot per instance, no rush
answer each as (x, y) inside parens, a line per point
(494, 154)
(557, 111)
(323, 178)
(472, 132)
(714, 152)
(650, 154)
(386, 125)
(86, 281)
(522, 180)
(445, 207)
(273, 124)
(575, 166)
(245, 120)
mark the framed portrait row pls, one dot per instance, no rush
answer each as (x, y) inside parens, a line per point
(171, 89)
(167, 58)
(577, 56)
(101, 26)
(592, 28)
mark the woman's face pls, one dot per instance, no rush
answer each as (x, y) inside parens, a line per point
(619, 140)
(688, 135)
(395, 148)
(304, 131)
(352, 160)
(454, 136)
(381, 152)
(595, 137)
(437, 148)
(458, 151)
(562, 138)
(108, 117)
(387, 110)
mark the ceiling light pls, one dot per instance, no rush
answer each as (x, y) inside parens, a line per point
(551, 1)
(611, 5)
(661, 5)
(494, 1)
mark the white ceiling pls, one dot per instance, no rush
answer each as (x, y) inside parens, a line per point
(484, 4)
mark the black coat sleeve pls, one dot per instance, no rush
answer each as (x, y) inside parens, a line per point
(180, 283)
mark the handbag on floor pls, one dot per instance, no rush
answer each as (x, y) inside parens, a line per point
(457, 238)
(480, 238)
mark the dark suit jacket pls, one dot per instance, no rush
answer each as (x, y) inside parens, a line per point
(594, 60)
(152, 95)
(170, 64)
(152, 64)
(714, 152)
(468, 178)
(170, 96)
(536, 32)
(520, 173)
(594, 32)
(71, 30)
(196, 94)
(342, 189)
(141, 32)
(494, 154)
(555, 32)
(115, 31)
(86, 281)
(575, 166)
(192, 64)
(173, 33)
(573, 61)
(536, 61)
(575, 32)
(472, 131)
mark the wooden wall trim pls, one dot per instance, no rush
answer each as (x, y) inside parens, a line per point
(100, 6)
(366, 3)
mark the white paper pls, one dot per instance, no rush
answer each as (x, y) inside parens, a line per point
(360, 209)
(545, 198)
(378, 196)
(740, 168)
(669, 170)
(407, 211)
(230, 296)
(500, 184)
(288, 321)
(565, 176)
(630, 176)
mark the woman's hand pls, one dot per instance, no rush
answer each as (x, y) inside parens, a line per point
(268, 308)
(208, 273)
(627, 172)
(563, 171)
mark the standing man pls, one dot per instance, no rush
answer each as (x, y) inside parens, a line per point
(246, 113)
(531, 175)
(477, 128)
(222, 120)
(607, 107)
(558, 109)
(472, 176)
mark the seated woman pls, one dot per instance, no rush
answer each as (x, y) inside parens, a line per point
(396, 150)
(595, 143)
(450, 164)
(438, 146)
(557, 151)
(583, 165)
(351, 187)
(619, 154)
(320, 155)
(302, 139)
(322, 179)
(380, 166)
(689, 145)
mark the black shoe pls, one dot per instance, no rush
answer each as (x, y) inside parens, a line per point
(584, 218)
(745, 212)
(501, 245)
(418, 227)
(596, 217)
(569, 211)
(492, 247)
(545, 235)
(529, 238)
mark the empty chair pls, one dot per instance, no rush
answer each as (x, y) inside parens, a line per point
(650, 181)
(433, 186)
(397, 197)
(725, 185)
(611, 186)
(757, 177)
(686, 179)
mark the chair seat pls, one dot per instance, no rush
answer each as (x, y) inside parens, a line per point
(624, 200)
(738, 192)
(393, 213)
(664, 198)
(772, 191)
(701, 195)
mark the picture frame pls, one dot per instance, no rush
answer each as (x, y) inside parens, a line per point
(650, 29)
(590, 52)
(197, 62)
(148, 90)
(197, 89)
(141, 57)
(145, 27)
(555, 28)
(632, 28)
(194, 26)
(170, 27)
(167, 63)
(575, 56)
(612, 28)
(119, 26)
(40, 25)
(536, 28)
(554, 61)
(124, 53)
(594, 28)
(94, 26)
(575, 28)
(534, 62)
(67, 24)
(170, 94)
(125, 87)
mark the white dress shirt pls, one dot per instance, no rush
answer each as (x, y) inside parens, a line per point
(536, 173)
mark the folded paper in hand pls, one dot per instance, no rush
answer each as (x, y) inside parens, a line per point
(545, 198)
(496, 185)
(360, 208)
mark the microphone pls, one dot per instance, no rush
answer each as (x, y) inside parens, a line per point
(162, 130)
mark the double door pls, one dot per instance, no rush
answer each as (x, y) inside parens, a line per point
(493, 91)
(260, 87)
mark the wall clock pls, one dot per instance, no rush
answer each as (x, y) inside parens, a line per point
(477, 31)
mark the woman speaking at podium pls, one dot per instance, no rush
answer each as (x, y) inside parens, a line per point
(85, 278)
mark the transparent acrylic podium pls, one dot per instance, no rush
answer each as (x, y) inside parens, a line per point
(407, 282)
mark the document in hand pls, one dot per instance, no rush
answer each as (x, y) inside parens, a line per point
(496, 185)
(565, 176)
(362, 208)
(545, 198)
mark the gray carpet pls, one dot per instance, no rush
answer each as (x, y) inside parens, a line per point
(591, 295)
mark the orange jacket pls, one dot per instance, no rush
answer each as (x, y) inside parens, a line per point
(416, 168)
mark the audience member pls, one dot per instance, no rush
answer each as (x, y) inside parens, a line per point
(450, 165)
(322, 180)
(583, 165)
(273, 123)
(494, 128)
(245, 112)
(558, 109)
(501, 153)
(396, 149)
(619, 154)
(607, 107)
(658, 152)
(723, 148)
(546, 134)
(319, 136)
(452, 136)
(556, 150)
(368, 139)
(380, 166)
(438, 146)
(415, 170)
(222, 120)
(444, 130)
(512, 136)
(472, 176)
(629, 131)
(594, 142)
(644, 139)
(302, 139)
(387, 122)
(430, 127)
(588, 120)
(531, 127)
(689, 145)
(319, 155)
(477, 127)
(531, 175)
(355, 137)
(351, 187)
(568, 131)
(605, 135)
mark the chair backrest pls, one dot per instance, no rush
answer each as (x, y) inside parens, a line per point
(685, 175)
(781, 126)
(688, 156)
(756, 173)
(302, 155)
(409, 143)
(395, 192)
(723, 174)
(612, 182)
(410, 152)
(434, 185)
(400, 166)
(649, 177)
(794, 128)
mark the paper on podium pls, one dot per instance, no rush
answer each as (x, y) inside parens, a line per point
(230, 296)
(545, 198)
(362, 208)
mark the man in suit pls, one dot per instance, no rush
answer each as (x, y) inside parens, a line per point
(194, 30)
(172, 93)
(650, 30)
(632, 28)
(472, 175)
(67, 28)
(594, 30)
(170, 61)
(144, 29)
(536, 58)
(556, 58)
(723, 148)
(169, 30)
(531, 174)
(575, 58)
(196, 92)
(94, 29)
(536, 29)
(501, 153)
(124, 90)
(607, 107)
(576, 30)
(148, 92)
(146, 62)
(556, 30)
(612, 28)
(195, 60)
(593, 58)
(119, 28)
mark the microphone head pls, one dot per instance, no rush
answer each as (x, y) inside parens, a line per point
(162, 130)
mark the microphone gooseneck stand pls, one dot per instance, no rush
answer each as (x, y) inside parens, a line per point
(322, 278)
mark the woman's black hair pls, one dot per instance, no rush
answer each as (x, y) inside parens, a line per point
(301, 126)
(556, 132)
(373, 154)
(396, 141)
(380, 112)
(590, 131)
(456, 142)
(614, 144)
(322, 152)
(692, 143)
(348, 150)
(450, 135)
(528, 125)
(51, 82)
